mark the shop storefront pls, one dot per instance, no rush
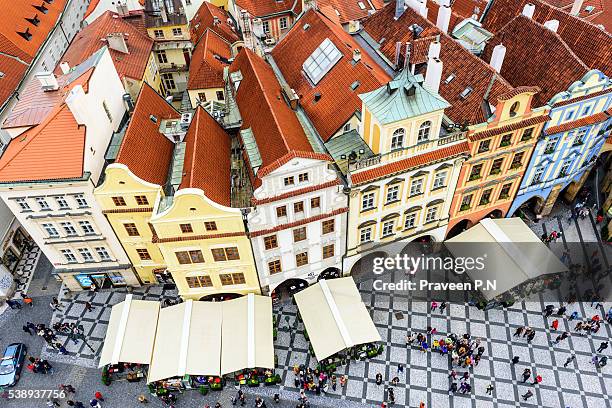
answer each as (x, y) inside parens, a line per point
(101, 280)
(15, 245)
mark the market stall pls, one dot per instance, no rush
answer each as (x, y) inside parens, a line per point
(515, 259)
(128, 344)
(335, 318)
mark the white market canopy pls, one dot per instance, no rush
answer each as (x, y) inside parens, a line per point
(335, 317)
(195, 338)
(131, 332)
(515, 254)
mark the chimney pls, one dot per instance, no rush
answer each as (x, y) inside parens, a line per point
(423, 8)
(576, 7)
(528, 10)
(48, 81)
(398, 51)
(497, 57)
(76, 104)
(116, 41)
(65, 67)
(552, 25)
(443, 21)
(399, 8)
(310, 4)
(356, 55)
(433, 75)
(434, 50)
(122, 9)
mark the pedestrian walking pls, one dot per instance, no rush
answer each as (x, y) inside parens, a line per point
(537, 380)
(379, 378)
(518, 331)
(602, 362)
(527, 395)
(515, 360)
(13, 304)
(442, 307)
(400, 368)
(98, 396)
(453, 387)
(94, 403)
(52, 403)
(602, 346)
(61, 349)
(88, 307)
(434, 306)
(526, 374)
(142, 399)
(490, 388)
(26, 299)
(555, 324)
(569, 360)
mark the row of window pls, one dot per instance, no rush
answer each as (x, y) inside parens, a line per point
(44, 203)
(205, 281)
(563, 171)
(290, 180)
(299, 234)
(120, 201)
(388, 227)
(132, 230)
(68, 228)
(504, 141)
(301, 259)
(86, 255)
(176, 32)
(399, 135)
(496, 166)
(202, 96)
(368, 200)
(551, 144)
(283, 23)
(298, 207)
(485, 197)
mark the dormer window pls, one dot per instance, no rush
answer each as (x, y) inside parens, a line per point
(424, 131)
(34, 20)
(514, 109)
(397, 140)
(41, 8)
(321, 61)
(449, 79)
(25, 34)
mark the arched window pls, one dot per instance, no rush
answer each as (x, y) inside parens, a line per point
(397, 141)
(424, 130)
(514, 108)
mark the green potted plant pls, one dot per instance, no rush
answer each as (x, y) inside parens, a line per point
(203, 389)
(106, 378)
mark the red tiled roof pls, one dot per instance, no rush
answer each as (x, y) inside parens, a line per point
(13, 70)
(600, 14)
(50, 151)
(508, 128)
(529, 43)
(90, 40)
(289, 156)
(261, 8)
(207, 158)
(337, 96)
(275, 126)
(144, 150)
(587, 120)
(583, 97)
(91, 7)
(349, 10)
(205, 69)
(296, 193)
(466, 69)
(214, 18)
(590, 43)
(409, 163)
(298, 223)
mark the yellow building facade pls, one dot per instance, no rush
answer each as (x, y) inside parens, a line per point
(206, 247)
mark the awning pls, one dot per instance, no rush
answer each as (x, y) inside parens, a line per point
(213, 338)
(131, 332)
(514, 253)
(335, 317)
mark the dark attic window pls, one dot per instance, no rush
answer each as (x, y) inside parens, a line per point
(34, 20)
(25, 34)
(41, 8)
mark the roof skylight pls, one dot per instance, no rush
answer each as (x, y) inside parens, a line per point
(321, 61)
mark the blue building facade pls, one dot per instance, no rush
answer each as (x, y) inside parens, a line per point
(569, 144)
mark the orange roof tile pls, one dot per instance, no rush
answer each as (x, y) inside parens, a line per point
(91, 7)
(589, 42)
(207, 163)
(409, 163)
(13, 70)
(209, 58)
(553, 66)
(144, 150)
(335, 88)
(50, 151)
(508, 128)
(261, 8)
(464, 69)
(278, 133)
(588, 120)
(214, 18)
(595, 11)
(93, 37)
(349, 10)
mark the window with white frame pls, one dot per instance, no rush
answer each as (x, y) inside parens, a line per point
(282, 23)
(431, 214)
(424, 131)
(579, 139)
(565, 169)
(68, 255)
(23, 204)
(158, 33)
(50, 230)
(410, 220)
(397, 140)
(266, 27)
(365, 234)
(68, 228)
(537, 175)
(550, 145)
(321, 61)
(42, 203)
(586, 110)
(569, 115)
(86, 255)
(87, 227)
(177, 32)
(392, 194)
(367, 201)
(416, 187)
(387, 228)
(62, 203)
(168, 81)
(80, 200)
(440, 179)
(103, 254)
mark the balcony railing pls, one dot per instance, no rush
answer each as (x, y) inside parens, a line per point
(163, 68)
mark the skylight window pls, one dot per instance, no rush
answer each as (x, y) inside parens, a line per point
(321, 61)
(464, 94)
(361, 5)
(449, 79)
